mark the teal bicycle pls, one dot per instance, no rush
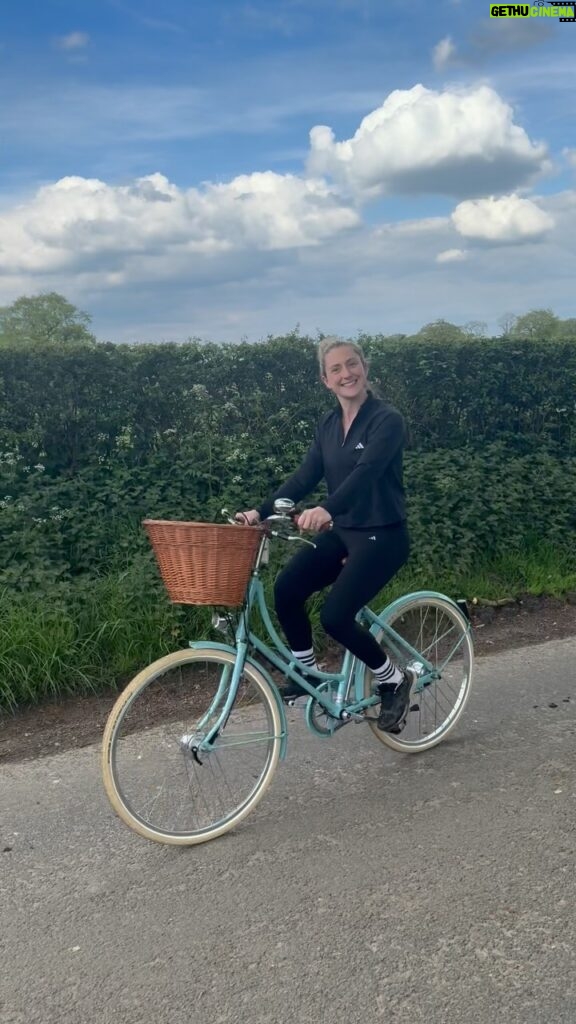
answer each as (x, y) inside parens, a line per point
(192, 743)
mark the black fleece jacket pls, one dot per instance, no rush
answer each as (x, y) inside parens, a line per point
(363, 471)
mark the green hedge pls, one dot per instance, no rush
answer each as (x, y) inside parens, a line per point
(78, 404)
(92, 440)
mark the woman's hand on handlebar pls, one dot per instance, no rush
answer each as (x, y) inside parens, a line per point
(314, 519)
(250, 518)
(311, 519)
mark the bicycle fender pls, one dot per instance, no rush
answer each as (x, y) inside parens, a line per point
(399, 603)
(198, 644)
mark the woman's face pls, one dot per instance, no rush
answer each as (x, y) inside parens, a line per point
(344, 372)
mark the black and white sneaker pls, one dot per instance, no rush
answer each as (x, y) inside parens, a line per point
(292, 692)
(395, 702)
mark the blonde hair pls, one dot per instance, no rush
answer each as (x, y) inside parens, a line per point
(326, 346)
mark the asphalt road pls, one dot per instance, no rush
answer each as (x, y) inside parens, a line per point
(367, 886)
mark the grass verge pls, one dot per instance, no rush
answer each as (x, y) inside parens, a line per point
(95, 634)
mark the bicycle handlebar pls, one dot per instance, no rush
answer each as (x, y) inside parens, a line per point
(287, 519)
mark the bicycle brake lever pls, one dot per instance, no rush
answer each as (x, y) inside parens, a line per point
(298, 540)
(302, 540)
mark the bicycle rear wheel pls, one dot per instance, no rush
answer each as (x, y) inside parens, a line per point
(158, 782)
(440, 632)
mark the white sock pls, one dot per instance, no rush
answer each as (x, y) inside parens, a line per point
(388, 673)
(307, 658)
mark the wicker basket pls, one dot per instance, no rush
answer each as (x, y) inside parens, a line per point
(201, 563)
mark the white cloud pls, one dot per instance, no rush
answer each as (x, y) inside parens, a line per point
(443, 53)
(365, 282)
(86, 223)
(570, 156)
(451, 256)
(73, 41)
(508, 219)
(263, 251)
(459, 143)
(423, 226)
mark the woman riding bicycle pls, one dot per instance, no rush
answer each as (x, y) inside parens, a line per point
(357, 449)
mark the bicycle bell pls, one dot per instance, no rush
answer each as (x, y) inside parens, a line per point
(283, 506)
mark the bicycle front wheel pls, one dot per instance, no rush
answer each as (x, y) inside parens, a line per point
(439, 631)
(156, 775)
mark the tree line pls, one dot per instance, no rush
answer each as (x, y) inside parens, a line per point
(48, 318)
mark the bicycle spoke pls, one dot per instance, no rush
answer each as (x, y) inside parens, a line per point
(164, 785)
(436, 630)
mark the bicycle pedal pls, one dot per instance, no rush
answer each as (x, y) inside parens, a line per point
(399, 726)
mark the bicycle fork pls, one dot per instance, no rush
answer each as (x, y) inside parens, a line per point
(202, 740)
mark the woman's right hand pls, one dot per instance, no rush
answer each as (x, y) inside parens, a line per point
(250, 518)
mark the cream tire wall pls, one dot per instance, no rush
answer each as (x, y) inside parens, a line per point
(395, 742)
(142, 679)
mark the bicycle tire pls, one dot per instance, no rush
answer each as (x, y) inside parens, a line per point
(148, 722)
(430, 719)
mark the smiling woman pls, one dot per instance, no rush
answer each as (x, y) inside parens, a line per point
(357, 449)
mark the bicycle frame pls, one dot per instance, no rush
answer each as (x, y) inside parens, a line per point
(341, 694)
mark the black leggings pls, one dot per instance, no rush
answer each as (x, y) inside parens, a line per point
(373, 557)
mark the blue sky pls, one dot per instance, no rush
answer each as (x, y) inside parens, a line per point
(231, 169)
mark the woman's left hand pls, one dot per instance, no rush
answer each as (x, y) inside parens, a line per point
(314, 519)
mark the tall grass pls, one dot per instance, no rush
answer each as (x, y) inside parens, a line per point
(93, 638)
(539, 568)
(101, 631)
